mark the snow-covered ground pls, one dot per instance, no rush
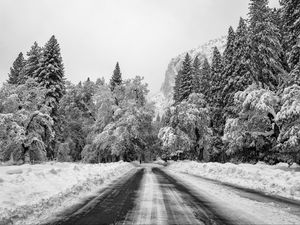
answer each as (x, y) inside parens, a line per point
(30, 193)
(278, 180)
(240, 207)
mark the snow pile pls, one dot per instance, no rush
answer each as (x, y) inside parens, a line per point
(278, 180)
(159, 161)
(32, 190)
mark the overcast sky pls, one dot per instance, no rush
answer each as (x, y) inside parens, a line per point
(143, 35)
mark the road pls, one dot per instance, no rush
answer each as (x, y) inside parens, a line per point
(151, 195)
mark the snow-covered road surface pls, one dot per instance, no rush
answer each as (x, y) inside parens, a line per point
(152, 195)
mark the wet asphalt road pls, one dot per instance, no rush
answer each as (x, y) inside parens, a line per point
(148, 196)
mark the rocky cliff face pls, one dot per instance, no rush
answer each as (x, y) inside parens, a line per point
(202, 51)
(163, 99)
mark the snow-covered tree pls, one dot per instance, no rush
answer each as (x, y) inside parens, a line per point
(215, 97)
(288, 118)
(265, 45)
(32, 62)
(196, 75)
(176, 88)
(123, 128)
(188, 129)
(50, 73)
(16, 71)
(27, 128)
(291, 26)
(237, 72)
(116, 78)
(215, 78)
(76, 117)
(253, 134)
(205, 77)
(229, 50)
(186, 79)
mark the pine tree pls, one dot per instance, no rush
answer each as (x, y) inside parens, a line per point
(294, 76)
(50, 73)
(32, 62)
(216, 78)
(276, 18)
(265, 45)
(116, 77)
(215, 93)
(186, 80)
(291, 25)
(228, 64)
(177, 87)
(196, 75)
(237, 73)
(229, 50)
(16, 70)
(204, 82)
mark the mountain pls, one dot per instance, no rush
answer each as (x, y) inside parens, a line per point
(202, 51)
(163, 98)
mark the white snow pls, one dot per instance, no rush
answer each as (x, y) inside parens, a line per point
(31, 192)
(242, 208)
(278, 180)
(159, 161)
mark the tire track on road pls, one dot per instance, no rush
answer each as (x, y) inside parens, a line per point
(205, 212)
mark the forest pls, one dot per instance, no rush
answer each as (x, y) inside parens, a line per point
(244, 106)
(45, 117)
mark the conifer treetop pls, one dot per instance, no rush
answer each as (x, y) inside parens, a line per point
(116, 78)
(50, 73)
(16, 69)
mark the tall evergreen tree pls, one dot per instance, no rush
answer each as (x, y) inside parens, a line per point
(16, 70)
(291, 25)
(215, 93)
(237, 73)
(50, 72)
(116, 77)
(276, 18)
(229, 50)
(177, 87)
(204, 83)
(32, 62)
(265, 45)
(228, 63)
(186, 80)
(196, 75)
(216, 77)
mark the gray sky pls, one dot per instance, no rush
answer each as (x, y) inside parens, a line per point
(143, 35)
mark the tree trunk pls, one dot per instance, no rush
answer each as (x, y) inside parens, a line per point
(25, 154)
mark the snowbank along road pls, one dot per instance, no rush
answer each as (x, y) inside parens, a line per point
(149, 194)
